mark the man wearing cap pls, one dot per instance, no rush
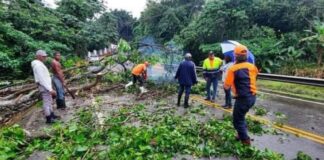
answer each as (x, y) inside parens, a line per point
(241, 78)
(58, 80)
(186, 75)
(139, 74)
(43, 80)
(211, 67)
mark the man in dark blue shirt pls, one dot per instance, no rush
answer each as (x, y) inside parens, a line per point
(186, 75)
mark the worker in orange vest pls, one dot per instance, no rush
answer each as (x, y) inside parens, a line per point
(241, 78)
(139, 73)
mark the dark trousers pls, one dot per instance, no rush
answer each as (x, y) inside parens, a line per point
(212, 81)
(139, 79)
(186, 88)
(228, 97)
(241, 107)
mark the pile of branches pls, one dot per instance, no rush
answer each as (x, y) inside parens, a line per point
(17, 98)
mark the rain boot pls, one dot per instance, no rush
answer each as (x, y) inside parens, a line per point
(128, 84)
(143, 90)
(63, 104)
(60, 104)
(54, 116)
(186, 105)
(49, 119)
(179, 100)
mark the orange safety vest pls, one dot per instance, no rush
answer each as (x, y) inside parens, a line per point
(139, 69)
(241, 78)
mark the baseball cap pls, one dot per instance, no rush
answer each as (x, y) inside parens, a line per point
(240, 50)
(41, 53)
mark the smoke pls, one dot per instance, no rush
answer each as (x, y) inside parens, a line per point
(170, 55)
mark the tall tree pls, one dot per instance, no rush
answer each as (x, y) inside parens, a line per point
(284, 15)
(125, 24)
(218, 21)
(77, 14)
(166, 18)
(26, 25)
(83, 10)
(101, 31)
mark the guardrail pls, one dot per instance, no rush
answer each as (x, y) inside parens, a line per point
(290, 79)
(293, 79)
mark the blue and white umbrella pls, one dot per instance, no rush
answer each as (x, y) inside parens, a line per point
(228, 50)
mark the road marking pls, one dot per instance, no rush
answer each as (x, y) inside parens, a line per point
(285, 128)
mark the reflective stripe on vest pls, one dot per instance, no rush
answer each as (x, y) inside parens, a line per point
(212, 66)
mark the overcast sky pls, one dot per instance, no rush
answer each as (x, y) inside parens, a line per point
(133, 6)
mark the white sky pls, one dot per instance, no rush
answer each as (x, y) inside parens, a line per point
(135, 7)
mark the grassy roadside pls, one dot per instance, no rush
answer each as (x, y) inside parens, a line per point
(296, 90)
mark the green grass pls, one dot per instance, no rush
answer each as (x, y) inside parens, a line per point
(302, 91)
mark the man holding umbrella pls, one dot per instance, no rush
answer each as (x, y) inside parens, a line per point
(241, 78)
(211, 67)
(228, 50)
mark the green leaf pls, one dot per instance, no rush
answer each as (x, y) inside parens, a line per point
(73, 128)
(81, 148)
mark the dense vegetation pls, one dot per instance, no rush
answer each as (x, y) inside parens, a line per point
(273, 30)
(73, 28)
(284, 35)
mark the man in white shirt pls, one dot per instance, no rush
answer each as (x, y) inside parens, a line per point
(44, 82)
(228, 97)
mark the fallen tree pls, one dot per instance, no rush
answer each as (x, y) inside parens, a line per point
(19, 100)
(13, 99)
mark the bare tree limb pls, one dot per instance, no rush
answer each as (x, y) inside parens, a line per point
(13, 95)
(16, 102)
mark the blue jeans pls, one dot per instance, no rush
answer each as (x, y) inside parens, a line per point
(228, 97)
(186, 88)
(59, 88)
(211, 81)
(241, 107)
